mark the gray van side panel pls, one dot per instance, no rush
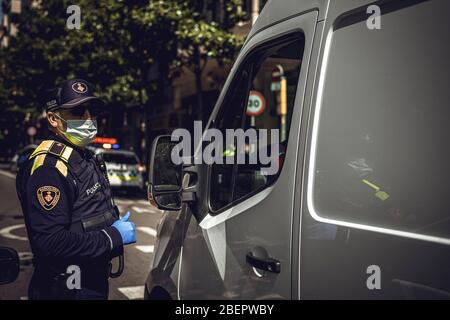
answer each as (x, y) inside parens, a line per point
(410, 268)
(276, 11)
(213, 264)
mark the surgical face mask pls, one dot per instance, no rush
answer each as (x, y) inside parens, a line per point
(79, 132)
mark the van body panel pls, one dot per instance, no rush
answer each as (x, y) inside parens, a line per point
(308, 219)
(275, 12)
(301, 154)
(214, 251)
(404, 69)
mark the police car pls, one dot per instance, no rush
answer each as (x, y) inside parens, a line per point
(123, 167)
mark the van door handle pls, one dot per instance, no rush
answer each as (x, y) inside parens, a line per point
(266, 264)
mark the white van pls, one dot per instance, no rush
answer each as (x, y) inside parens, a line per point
(359, 207)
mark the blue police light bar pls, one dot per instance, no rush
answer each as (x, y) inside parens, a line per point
(115, 146)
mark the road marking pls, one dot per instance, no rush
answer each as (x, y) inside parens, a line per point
(133, 209)
(150, 231)
(122, 201)
(6, 232)
(121, 209)
(132, 293)
(145, 249)
(140, 210)
(25, 255)
(8, 174)
(25, 258)
(143, 202)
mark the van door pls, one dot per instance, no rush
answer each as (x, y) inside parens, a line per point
(240, 247)
(375, 207)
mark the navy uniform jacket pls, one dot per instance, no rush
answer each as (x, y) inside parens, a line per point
(68, 212)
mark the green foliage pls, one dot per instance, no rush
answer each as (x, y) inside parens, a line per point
(117, 45)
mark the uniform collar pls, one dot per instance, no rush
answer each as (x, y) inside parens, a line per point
(85, 153)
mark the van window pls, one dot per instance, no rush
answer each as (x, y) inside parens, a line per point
(121, 158)
(381, 153)
(261, 97)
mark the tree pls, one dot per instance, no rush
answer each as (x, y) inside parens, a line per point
(117, 45)
(188, 37)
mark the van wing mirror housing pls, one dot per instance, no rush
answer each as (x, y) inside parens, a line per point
(9, 265)
(165, 188)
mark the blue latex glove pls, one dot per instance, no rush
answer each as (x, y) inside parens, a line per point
(127, 229)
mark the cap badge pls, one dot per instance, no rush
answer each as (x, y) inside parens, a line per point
(79, 87)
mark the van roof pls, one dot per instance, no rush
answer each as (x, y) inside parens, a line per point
(273, 12)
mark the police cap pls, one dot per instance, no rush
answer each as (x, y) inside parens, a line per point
(70, 94)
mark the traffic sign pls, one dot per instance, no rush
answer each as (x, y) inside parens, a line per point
(256, 104)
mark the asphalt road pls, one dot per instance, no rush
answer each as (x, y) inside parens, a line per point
(137, 256)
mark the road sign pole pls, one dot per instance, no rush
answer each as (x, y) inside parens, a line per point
(283, 107)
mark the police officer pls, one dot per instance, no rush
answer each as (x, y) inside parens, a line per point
(73, 225)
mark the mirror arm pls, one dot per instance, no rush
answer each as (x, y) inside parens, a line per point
(188, 196)
(190, 193)
(190, 169)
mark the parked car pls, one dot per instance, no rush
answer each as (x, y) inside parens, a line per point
(124, 168)
(21, 156)
(359, 206)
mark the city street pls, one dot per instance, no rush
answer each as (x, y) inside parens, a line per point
(137, 256)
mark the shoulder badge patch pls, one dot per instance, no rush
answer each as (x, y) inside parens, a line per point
(48, 197)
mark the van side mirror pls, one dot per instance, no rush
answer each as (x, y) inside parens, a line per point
(165, 179)
(9, 265)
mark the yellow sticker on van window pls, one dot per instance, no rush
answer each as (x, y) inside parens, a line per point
(383, 196)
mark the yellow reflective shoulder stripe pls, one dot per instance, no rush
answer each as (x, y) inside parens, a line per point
(41, 151)
(66, 154)
(38, 161)
(61, 166)
(42, 148)
(45, 147)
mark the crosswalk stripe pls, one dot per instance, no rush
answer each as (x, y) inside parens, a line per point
(123, 209)
(145, 249)
(139, 210)
(150, 231)
(6, 232)
(133, 293)
(7, 174)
